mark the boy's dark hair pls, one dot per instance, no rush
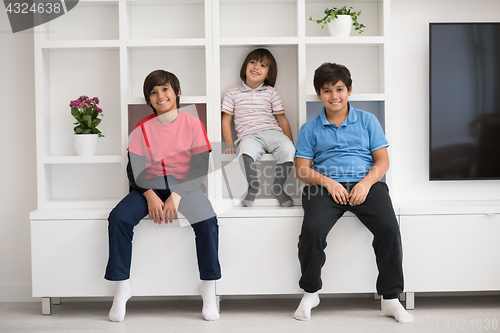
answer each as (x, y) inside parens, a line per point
(331, 73)
(160, 77)
(261, 55)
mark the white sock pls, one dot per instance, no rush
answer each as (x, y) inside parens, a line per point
(392, 308)
(207, 292)
(123, 293)
(308, 301)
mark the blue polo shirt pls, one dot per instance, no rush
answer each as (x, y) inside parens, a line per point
(341, 153)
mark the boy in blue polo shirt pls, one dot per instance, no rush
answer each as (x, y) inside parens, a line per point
(342, 155)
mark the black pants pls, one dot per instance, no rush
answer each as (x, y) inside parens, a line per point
(321, 213)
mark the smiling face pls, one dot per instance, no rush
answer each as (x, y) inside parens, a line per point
(256, 73)
(163, 99)
(335, 97)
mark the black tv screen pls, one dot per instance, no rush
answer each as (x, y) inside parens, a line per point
(464, 101)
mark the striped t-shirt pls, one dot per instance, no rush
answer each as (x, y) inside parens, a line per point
(253, 109)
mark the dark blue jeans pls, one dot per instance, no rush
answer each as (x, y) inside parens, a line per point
(197, 209)
(321, 213)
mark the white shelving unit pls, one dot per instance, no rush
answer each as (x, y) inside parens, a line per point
(204, 44)
(106, 49)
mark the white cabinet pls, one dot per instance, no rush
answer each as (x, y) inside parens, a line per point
(451, 252)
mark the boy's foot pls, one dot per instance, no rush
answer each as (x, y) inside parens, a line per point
(307, 303)
(249, 197)
(392, 308)
(284, 199)
(281, 174)
(123, 293)
(207, 292)
(250, 169)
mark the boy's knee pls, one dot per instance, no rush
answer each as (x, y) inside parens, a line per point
(113, 217)
(206, 226)
(310, 233)
(120, 219)
(390, 234)
(312, 195)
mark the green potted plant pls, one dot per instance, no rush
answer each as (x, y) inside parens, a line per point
(86, 112)
(340, 21)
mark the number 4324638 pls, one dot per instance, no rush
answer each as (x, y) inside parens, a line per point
(42, 7)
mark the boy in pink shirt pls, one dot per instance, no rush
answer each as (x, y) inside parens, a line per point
(168, 163)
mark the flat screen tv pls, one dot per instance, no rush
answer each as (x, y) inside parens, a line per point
(464, 101)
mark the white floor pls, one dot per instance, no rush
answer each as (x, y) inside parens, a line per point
(432, 314)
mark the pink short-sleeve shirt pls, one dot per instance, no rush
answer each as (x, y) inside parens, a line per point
(168, 148)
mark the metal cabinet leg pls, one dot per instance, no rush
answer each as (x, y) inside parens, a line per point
(46, 306)
(217, 299)
(402, 297)
(376, 296)
(410, 301)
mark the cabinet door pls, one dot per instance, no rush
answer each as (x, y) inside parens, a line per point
(164, 260)
(259, 256)
(69, 259)
(451, 252)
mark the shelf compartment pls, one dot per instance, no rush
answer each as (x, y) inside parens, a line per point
(245, 23)
(151, 43)
(96, 159)
(148, 19)
(184, 100)
(365, 62)
(137, 112)
(354, 97)
(75, 73)
(84, 182)
(234, 184)
(89, 20)
(82, 44)
(351, 40)
(259, 41)
(187, 63)
(375, 107)
(231, 59)
(370, 16)
(84, 204)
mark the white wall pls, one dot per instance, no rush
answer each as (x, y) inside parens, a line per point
(410, 98)
(17, 156)
(409, 147)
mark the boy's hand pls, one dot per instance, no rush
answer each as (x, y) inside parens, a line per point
(358, 194)
(155, 206)
(231, 150)
(339, 193)
(170, 207)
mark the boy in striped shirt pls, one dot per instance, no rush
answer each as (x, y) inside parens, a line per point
(260, 123)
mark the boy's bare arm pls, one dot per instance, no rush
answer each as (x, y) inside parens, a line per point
(227, 134)
(360, 191)
(380, 167)
(306, 174)
(285, 126)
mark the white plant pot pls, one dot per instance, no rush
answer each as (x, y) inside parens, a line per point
(86, 144)
(341, 26)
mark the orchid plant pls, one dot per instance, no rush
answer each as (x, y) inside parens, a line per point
(86, 113)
